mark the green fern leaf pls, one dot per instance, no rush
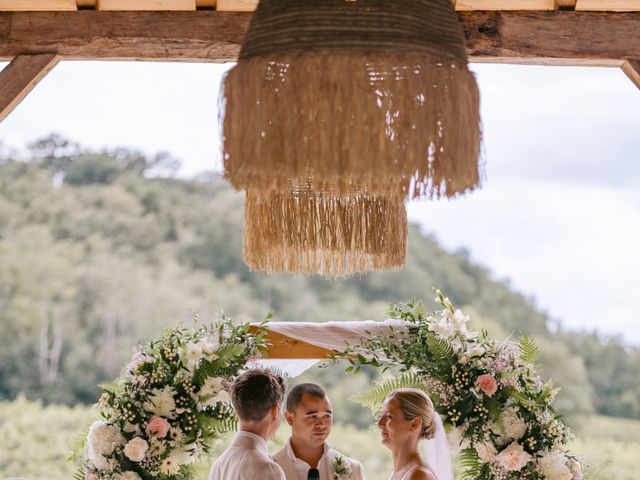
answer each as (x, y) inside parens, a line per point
(528, 349)
(440, 347)
(374, 398)
(470, 463)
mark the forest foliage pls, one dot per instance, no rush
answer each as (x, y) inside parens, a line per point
(102, 249)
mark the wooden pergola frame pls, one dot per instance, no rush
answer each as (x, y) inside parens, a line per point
(35, 42)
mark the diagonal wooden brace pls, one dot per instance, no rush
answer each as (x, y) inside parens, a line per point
(632, 69)
(20, 76)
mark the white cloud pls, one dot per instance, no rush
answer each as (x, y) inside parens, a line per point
(572, 247)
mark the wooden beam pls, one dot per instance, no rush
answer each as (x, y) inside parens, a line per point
(552, 38)
(632, 69)
(526, 37)
(282, 346)
(20, 76)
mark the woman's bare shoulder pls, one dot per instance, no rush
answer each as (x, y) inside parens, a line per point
(422, 473)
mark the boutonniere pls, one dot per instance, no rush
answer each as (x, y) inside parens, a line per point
(341, 469)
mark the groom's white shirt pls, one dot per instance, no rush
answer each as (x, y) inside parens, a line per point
(296, 469)
(247, 458)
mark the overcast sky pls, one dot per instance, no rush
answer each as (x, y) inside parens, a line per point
(559, 212)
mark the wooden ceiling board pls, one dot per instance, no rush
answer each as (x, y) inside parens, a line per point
(609, 5)
(464, 5)
(36, 5)
(147, 5)
(237, 5)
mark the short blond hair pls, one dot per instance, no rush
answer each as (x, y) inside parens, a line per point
(415, 403)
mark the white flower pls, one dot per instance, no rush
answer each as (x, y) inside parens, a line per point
(211, 386)
(459, 321)
(554, 466)
(175, 434)
(131, 428)
(102, 441)
(513, 458)
(442, 327)
(193, 354)
(127, 476)
(161, 402)
(156, 447)
(341, 469)
(474, 351)
(486, 451)
(135, 449)
(139, 359)
(513, 426)
(210, 347)
(171, 464)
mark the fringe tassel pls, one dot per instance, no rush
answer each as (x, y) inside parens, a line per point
(351, 123)
(330, 236)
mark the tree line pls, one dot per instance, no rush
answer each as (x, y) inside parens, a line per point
(102, 249)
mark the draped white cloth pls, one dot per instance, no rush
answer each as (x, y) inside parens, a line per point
(329, 335)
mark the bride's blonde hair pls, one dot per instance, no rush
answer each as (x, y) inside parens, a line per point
(415, 403)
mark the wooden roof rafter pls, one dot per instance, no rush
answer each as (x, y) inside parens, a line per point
(556, 33)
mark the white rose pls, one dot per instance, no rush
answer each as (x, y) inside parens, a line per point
(513, 426)
(131, 428)
(101, 442)
(486, 451)
(136, 449)
(554, 466)
(127, 476)
(513, 458)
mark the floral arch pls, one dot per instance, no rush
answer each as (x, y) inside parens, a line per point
(170, 402)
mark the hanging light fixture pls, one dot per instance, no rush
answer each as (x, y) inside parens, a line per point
(353, 95)
(323, 234)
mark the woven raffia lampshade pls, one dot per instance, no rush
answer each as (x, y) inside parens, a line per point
(326, 235)
(353, 95)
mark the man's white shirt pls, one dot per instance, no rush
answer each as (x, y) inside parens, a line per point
(247, 458)
(296, 469)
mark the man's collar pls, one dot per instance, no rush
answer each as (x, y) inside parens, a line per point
(292, 455)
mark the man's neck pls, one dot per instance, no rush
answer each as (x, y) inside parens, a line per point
(311, 455)
(257, 428)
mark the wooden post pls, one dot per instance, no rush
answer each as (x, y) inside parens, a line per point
(20, 76)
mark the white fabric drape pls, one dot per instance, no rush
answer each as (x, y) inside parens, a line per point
(329, 335)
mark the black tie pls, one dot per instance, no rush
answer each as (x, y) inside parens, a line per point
(313, 474)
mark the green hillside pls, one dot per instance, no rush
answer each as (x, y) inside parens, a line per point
(97, 253)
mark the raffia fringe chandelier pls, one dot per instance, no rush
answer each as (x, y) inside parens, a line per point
(330, 236)
(367, 99)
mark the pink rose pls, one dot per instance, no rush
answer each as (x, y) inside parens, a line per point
(90, 476)
(513, 458)
(487, 384)
(157, 427)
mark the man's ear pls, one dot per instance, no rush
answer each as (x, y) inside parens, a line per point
(288, 416)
